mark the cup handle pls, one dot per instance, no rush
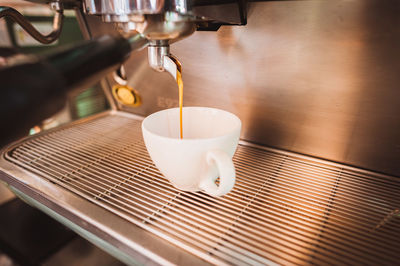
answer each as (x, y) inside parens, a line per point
(226, 171)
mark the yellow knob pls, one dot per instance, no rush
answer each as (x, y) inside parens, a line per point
(126, 95)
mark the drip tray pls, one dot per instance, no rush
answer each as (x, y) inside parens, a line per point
(284, 208)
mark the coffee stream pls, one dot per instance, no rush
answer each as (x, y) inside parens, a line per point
(180, 86)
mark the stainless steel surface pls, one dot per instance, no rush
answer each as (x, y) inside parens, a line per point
(81, 252)
(124, 10)
(314, 77)
(157, 21)
(160, 59)
(285, 208)
(156, 55)
(169, 27)
(5, 194)
(118, 252)
(124, 7)
(222, 11)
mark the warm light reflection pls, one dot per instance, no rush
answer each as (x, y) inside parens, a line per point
(34, 130)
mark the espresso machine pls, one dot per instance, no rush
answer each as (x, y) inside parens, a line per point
(138, 24)
(315, 85)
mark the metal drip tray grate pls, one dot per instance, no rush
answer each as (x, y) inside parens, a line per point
(285, 208)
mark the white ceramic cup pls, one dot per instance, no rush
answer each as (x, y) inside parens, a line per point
(210, 138)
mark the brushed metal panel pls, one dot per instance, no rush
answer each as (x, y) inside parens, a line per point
(315, 77)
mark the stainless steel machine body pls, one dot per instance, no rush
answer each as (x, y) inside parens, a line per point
(314, 77)
(316, 80)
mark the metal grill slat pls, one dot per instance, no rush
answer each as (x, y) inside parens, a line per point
(388, 182)
(284, 208)
(320, 181)
(311, 211)
(349, 185)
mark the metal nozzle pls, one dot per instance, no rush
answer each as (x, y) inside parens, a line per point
(161, 60)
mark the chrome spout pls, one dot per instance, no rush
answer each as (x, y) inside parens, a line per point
(161, 60)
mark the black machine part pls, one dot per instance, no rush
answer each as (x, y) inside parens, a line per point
(34, 88)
